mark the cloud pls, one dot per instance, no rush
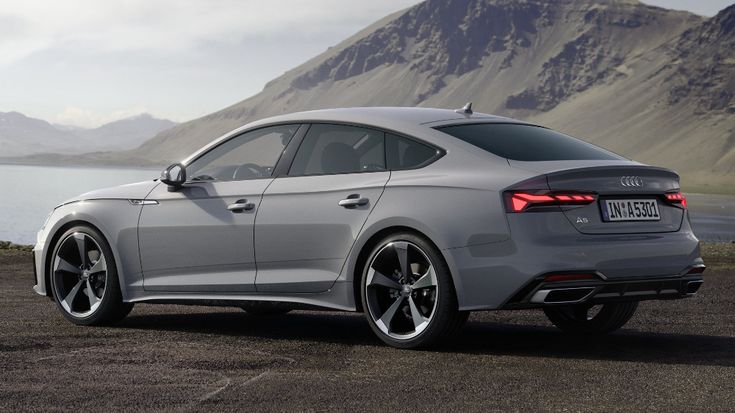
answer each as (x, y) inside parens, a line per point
(85, 118)
(80, 61)
(168, 26)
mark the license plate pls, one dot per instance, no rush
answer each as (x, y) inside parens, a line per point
(630, 210)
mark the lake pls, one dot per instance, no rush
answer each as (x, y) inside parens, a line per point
(29, 193)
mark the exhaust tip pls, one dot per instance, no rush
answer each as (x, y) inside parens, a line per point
(562, 295)
(693, 286)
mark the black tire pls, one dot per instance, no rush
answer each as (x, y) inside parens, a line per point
(445, 319)
(574, 319)
(111, 308)
(266, 308)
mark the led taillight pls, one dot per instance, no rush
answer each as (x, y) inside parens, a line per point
(520, 201)
(677, 198)
(697, 270)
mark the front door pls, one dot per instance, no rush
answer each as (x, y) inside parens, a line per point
(310, 219)
(199, 238)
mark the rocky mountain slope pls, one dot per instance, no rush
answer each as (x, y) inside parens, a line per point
(653, 84)
(22, 136)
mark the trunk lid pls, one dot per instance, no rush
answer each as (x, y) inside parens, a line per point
(628, 182)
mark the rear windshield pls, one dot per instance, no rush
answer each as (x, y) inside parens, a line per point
(526, 142)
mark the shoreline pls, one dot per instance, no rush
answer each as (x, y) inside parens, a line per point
(5, 162)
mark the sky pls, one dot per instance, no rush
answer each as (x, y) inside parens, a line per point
(89, 62)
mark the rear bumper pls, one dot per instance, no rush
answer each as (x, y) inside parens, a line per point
(542, 294)
(495, 275)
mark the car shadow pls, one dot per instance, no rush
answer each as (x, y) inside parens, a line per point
(478, 337)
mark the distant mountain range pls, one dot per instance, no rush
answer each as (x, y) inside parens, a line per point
(22, 136)
(653, 84)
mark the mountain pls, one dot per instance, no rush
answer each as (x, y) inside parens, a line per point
(23, 136)
(653, 84)
(126, 133)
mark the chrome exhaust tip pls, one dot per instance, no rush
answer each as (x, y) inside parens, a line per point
(562, 295)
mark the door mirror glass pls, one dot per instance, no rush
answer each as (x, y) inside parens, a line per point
(174, 176)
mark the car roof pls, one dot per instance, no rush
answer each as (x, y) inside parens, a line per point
(412, 121)
(385, 117)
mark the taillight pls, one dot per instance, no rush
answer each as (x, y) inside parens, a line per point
(677, 199)
(521, 201)
(697, 270)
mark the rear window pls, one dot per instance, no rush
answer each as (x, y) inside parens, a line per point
(526, 142)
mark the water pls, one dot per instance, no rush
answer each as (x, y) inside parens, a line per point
(713, 216)
(29, 193)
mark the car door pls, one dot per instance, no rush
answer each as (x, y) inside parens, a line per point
(310, 218)
(199, 238)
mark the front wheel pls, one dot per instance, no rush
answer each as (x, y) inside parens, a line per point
(587, 319)
(84, 278)
(408, 294)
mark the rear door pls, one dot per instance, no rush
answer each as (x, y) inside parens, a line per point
(309, 219)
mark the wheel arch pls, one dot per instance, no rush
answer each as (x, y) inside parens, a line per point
(372, 241)
(57, 233)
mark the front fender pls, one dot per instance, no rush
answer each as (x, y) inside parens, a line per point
(116, 219)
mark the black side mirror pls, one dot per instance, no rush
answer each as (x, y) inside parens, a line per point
(174, 176)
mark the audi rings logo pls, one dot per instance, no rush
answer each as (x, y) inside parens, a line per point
(631, 181)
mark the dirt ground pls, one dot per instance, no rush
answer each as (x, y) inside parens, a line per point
(673, 356)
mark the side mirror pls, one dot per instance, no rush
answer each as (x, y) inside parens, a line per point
(174, 176)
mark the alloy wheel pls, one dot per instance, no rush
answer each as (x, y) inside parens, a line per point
(401, 289)
(80, 274)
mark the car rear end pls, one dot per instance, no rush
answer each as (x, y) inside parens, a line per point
(589, 227)
(604, 234)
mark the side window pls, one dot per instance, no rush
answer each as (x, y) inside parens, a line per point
(248, 156)
(337, 149)
(403, 153)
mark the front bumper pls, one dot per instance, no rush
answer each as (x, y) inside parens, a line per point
(39, 276)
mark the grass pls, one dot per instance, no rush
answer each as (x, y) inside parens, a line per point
(719, 254)
(7, 245)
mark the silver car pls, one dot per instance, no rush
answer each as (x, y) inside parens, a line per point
(414, 216)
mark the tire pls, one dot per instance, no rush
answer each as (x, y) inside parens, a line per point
(266, 308)
(414, 311)
(74, 275)
(575, 319)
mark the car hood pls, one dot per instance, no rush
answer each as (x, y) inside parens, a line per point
(138, 190)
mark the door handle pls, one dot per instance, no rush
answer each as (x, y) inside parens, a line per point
(240, 205)
(353, 201)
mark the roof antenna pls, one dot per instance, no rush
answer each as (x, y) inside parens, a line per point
(466, 109)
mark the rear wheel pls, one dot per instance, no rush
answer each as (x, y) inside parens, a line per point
(84, 279)
(587, 319)
(408, 294)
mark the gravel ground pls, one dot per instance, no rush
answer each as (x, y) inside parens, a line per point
(673, 355)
